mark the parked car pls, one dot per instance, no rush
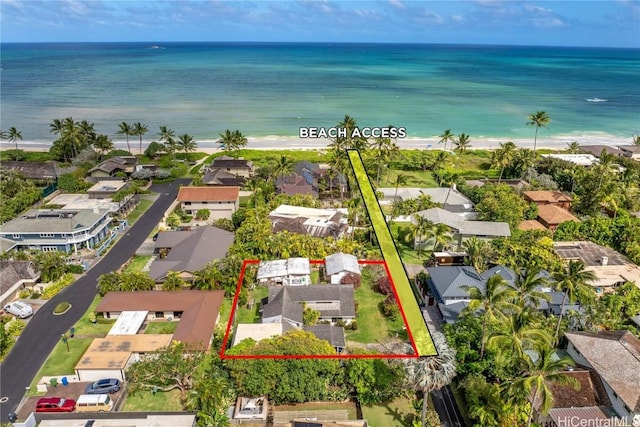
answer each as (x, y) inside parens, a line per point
(19, 309)
(107, 385)
(55, 404)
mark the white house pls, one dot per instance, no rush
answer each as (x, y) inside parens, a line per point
(289, 272)
(339, 265)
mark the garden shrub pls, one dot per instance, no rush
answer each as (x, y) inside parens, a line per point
(61, 308)
(58, 285)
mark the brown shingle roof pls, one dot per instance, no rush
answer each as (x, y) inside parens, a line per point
(11, 272)
(530, 224)
(199, 310)
(208, 194)
(547, 196)
(553, 215)
(565, 396)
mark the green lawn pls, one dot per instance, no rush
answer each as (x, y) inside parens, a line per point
(161, 327)
(321, 406)
(145, 401)
(315, 277)
(414, 179)
(372, 325)
(263, 157)
(137, 263)
(397, 413)
(252, 315)
(139, 210)
(99, 329)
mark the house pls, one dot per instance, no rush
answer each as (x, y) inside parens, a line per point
(37, 171)
(286, 304)
(551, 216)
(288, 272)
(106, 189)
(577, 159)
(531, 224)
(197, 311)
(220, 177)
(610, 267)
(222, 202)
(596, 149)
(293, 185)
(555, 198)
(15, 276)
(339, 265)
(319, 177)
(449, 198)
(516, 184)
(63, 230)
(615, 357)
(140, 419)
(447, 258)
(114, 165)
(462, 229)
(186, 252)
(632, 151)
(237, 167)
(311, 221)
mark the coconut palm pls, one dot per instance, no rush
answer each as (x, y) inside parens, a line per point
(503, 156)
(441, 236)
(606, 163)
(462, 143)
(536, 376)
(385, 149)
(446, 136)
(635, 140)
(528, 288)
(167, 136)
(519, 335)
(187, 144)
(103, 144)
(400, 180)
(478, 251)
(538, 119)
(573, 147)
(573, 280)
(126, 129)
(524, 159)
(494, 301)
(428, 374)
(284, 166)
(139, 129)
(13, 135)
(421, 230)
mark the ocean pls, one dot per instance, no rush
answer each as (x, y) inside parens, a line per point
(273, 89)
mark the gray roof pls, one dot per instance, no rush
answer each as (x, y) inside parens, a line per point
(340, 262)
(438, 195)
(283, 267)
(230, 162)
(54, 221)
(11, 272)
(333, 334)
(448, 282)
(217, 176)
(469, 228)
(451, 312)
(191, 250)
(589, 253)
(507, 274)
(31, 170)
(114, 163)
(287, 300)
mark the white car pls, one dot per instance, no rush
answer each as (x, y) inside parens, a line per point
(19, 309)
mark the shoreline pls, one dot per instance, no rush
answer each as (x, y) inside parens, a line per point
(274, 142)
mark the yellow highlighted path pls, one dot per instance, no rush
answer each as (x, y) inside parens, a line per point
(415, 321)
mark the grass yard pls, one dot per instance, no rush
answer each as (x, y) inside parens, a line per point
(139, 210)
(161, 327)
(90, 330)
(264, 157)
(414, 179)
(61, 361)
(137, 264)
(397, 413)
(252, 315)
(145, 401)
(321, 406)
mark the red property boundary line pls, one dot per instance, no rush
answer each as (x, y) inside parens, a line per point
(234, 305)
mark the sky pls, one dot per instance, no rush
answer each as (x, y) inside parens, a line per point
(608, 23)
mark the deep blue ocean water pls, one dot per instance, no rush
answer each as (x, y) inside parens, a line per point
(273, 89)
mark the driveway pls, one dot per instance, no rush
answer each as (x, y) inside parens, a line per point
(44, 330)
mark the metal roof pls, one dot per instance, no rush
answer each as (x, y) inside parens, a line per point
(340, 262)
(128, 323)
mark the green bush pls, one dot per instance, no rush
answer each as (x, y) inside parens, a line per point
(58, 285)
(14, 328)
(61, 308)
(25, 293)
(92, 317)
(75, 268)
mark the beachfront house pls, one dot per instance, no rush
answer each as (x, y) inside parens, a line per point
(62, 230)
(237, 167)
(114, 166)
(449, 198)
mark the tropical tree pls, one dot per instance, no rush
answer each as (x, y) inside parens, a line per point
(538, 119)
(126, 129)
(536, 376)
(447, 136)
(230, 142)
(441, 236)
(51, 264)
(503, 156)
(573, 147)
(462, 143)
(384, 148)
(211, 395)
(519, 335)
(173, 282)
(528, 288)
(635, 140)
(574, 281)
(187, 144)
(524, 159)
(401, 179)
(284, 166)
(13, 135)
(427, 374)
(479, 252)
(139, 129)
(494, 302)
(103, 144)
(421, 230)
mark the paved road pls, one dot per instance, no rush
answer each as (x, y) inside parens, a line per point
(44, 330)
(445, 406)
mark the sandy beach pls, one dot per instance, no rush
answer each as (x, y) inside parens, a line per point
(296, 143)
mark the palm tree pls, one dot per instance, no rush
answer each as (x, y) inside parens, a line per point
(534, 381)
(125, 129)
(519, 336)
(606, 163)
(493, 302)
(441, 236)
(524, 160)
(635, 140)
(187, 143)
(462, 143)
(528, 288)
(446, 136)
(139, 129)
(573, 147)
(573, 280)
(503, 156)
(13, 135)
(478, 251)
(284, 166)
(103, 144)
(385, 148)
(538, 119)
(400, 180)
(239, 140)
(427, 374)
(421, 230)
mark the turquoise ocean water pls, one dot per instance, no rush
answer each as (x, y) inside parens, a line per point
(273, 89)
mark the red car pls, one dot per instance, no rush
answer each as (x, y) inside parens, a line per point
(55, 404)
